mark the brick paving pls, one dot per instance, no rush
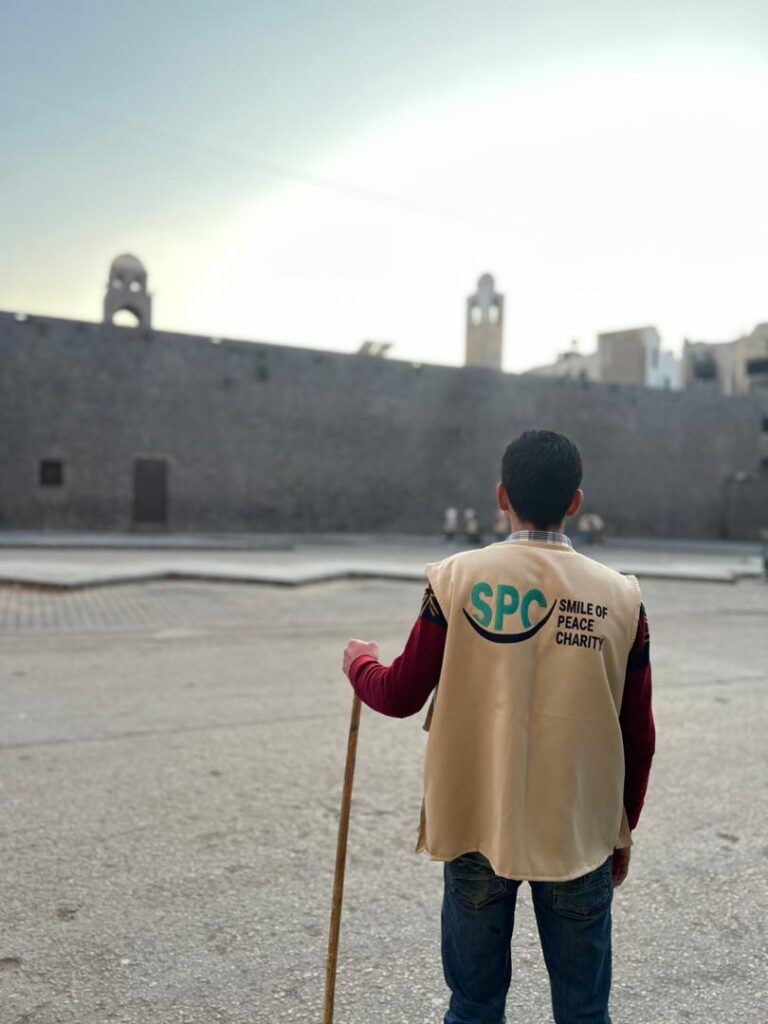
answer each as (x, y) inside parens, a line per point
(131, 607)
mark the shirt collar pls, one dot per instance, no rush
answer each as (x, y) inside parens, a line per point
(542, 536)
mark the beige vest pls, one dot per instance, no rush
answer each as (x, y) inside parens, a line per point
(525, 759)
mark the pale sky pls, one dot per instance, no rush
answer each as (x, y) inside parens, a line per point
(324, 173)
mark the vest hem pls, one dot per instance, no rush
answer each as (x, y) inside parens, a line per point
(524, 876)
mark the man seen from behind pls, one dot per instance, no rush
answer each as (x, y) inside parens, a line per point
(541, 737)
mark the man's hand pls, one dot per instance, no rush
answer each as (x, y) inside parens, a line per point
(355, 649)
(620, 865)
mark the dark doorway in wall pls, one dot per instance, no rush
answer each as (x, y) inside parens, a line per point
(150, 492)
(51, 473)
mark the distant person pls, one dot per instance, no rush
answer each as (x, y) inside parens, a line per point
(451, 523)
(500, 525)
(585, 528)
(591, 528)
(598, 529)
(541, 737)
(471, 526)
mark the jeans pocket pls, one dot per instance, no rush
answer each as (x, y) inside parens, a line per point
(472, 881)
(584, 897)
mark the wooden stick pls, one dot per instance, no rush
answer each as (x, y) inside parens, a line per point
(341, 859)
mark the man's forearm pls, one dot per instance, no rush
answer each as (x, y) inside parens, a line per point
(402, 688)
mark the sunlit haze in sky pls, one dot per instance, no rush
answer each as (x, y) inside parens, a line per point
(320, 174)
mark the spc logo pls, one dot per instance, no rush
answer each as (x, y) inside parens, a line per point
(490, 606)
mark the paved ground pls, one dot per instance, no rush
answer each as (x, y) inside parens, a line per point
(171, 758)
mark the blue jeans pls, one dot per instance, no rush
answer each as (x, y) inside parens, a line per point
(574, 921)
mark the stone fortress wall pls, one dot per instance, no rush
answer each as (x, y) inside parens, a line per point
(271, 438)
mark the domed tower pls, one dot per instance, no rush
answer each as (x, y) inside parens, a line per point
(485, 325)
(127, 289)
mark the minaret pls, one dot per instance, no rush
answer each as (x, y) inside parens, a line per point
(127, 289)
(485, 325)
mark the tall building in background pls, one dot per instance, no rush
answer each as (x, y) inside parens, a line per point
(127, 291)
(485, 325)
(634, 356)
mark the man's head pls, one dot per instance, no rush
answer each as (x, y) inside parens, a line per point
(540, 478)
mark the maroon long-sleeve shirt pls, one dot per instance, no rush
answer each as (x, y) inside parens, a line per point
(403, 688)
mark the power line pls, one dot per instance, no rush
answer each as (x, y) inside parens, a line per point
(182, 141)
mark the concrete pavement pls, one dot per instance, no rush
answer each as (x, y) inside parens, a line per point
(171, 758)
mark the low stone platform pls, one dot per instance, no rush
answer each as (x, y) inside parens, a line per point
(301, 561)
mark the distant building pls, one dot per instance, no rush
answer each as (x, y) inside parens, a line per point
(738, 367)
(485, 325)
(635, 357)
(127, 291)
(630, 357)
(572, 364)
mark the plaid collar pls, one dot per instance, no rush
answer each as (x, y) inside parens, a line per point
(542, 536)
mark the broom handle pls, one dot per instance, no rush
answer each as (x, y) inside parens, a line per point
(341, 858)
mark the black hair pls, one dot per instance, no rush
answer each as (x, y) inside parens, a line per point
(541, 471)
